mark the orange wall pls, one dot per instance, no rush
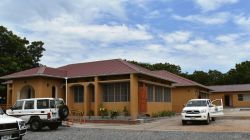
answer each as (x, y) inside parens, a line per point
(180, 96)
(118, 106)
(155, 107)
(234, 95)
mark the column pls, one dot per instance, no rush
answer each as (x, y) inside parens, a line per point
(86, 99)
(133, 96)
(97, 96)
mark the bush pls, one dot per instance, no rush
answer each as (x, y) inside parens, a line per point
(163, 114)
(113, 114)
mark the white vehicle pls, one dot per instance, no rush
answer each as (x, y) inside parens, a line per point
(202, 110)
(11, 127)
(40, 112)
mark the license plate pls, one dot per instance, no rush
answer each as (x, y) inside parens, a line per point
(7, 137)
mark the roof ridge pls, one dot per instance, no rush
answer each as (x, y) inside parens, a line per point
(128, 64)
(88, 62)
(41, 70)
(228, 85)
(177, 76)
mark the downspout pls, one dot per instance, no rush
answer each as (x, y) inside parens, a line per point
(66, 90)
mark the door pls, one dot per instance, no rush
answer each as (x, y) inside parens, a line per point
(142, 99)
(216, 108)
(228, 100)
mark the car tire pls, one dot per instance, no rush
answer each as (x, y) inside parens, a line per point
(184, 122)
(53, 126)
(208, 119)
(35, 124)
(20, 138)
(63, 112)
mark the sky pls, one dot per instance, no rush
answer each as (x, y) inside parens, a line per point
(194, 34)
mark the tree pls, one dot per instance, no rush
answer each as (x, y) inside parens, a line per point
(240, 74)
(160, 66)
(16, 53)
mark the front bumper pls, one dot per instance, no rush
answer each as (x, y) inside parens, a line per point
(12, 134)
(194, 117)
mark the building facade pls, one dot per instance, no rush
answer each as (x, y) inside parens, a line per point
(232, 95)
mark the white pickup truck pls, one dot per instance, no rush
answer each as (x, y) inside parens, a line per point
(202, 110)
(11, 127)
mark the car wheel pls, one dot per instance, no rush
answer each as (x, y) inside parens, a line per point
(208, 119)
(53, 126)
(63, 112)
(35, 124)
(20, 138)
(184, 122)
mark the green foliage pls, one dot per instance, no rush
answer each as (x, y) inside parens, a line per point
(125, 111)
(238, 75)
(160, 66)
(17, 53)
(114, 114)
(163, 114)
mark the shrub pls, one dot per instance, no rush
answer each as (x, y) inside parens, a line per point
(163, 114)
(114, 114)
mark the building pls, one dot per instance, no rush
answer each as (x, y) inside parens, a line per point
(115, 84)
(183, 90)
(232, 95)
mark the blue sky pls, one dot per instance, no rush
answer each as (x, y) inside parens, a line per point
(195, 34)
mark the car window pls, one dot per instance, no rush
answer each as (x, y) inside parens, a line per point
(18, 105)
(29, 105)
(1, 111)
(42, 104)
(196, 103)
(52, 104)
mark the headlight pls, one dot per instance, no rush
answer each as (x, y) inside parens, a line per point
(203, 111)
(21, 124)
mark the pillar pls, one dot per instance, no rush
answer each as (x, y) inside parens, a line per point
(97, 96)
(133, 96)
(86, 100)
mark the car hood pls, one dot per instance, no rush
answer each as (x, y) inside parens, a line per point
(194, 108)
(8, 119)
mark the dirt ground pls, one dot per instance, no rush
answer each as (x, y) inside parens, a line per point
(231, 122)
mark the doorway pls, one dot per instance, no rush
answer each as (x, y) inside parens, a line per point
(228, 101)
(142, 98)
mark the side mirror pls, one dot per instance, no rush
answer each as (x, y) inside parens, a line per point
(11, 108)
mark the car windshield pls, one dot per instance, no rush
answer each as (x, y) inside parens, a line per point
(196, 103)
(1, 111)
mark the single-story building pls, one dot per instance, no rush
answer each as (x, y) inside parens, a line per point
(114, 84)
(232, 95)
(183, 90)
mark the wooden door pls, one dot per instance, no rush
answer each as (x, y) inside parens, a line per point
(142, 99)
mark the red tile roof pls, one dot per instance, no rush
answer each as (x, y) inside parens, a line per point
(230, 88)
(38, 71)
(97, 68)
(180, 81)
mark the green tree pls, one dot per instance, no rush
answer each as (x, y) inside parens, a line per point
(16, 53)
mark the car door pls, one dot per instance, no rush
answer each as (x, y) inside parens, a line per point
(218, 108)
(17, 109)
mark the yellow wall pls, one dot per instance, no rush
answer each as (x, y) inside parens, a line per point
(41, 86)
(155, 107)
(180, 96)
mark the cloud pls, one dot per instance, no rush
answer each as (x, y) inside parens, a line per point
(210, 5)
(178, 36)
(209, 19)
(242, 21)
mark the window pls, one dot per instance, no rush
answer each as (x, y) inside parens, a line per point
(244, 97)
(116, 92)
(42, 104)
(150, 93)
(18, 105)
(52, 104)
(53, 92)
(158, 94)
(78, 94)
(29, 105)
(167, 94)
